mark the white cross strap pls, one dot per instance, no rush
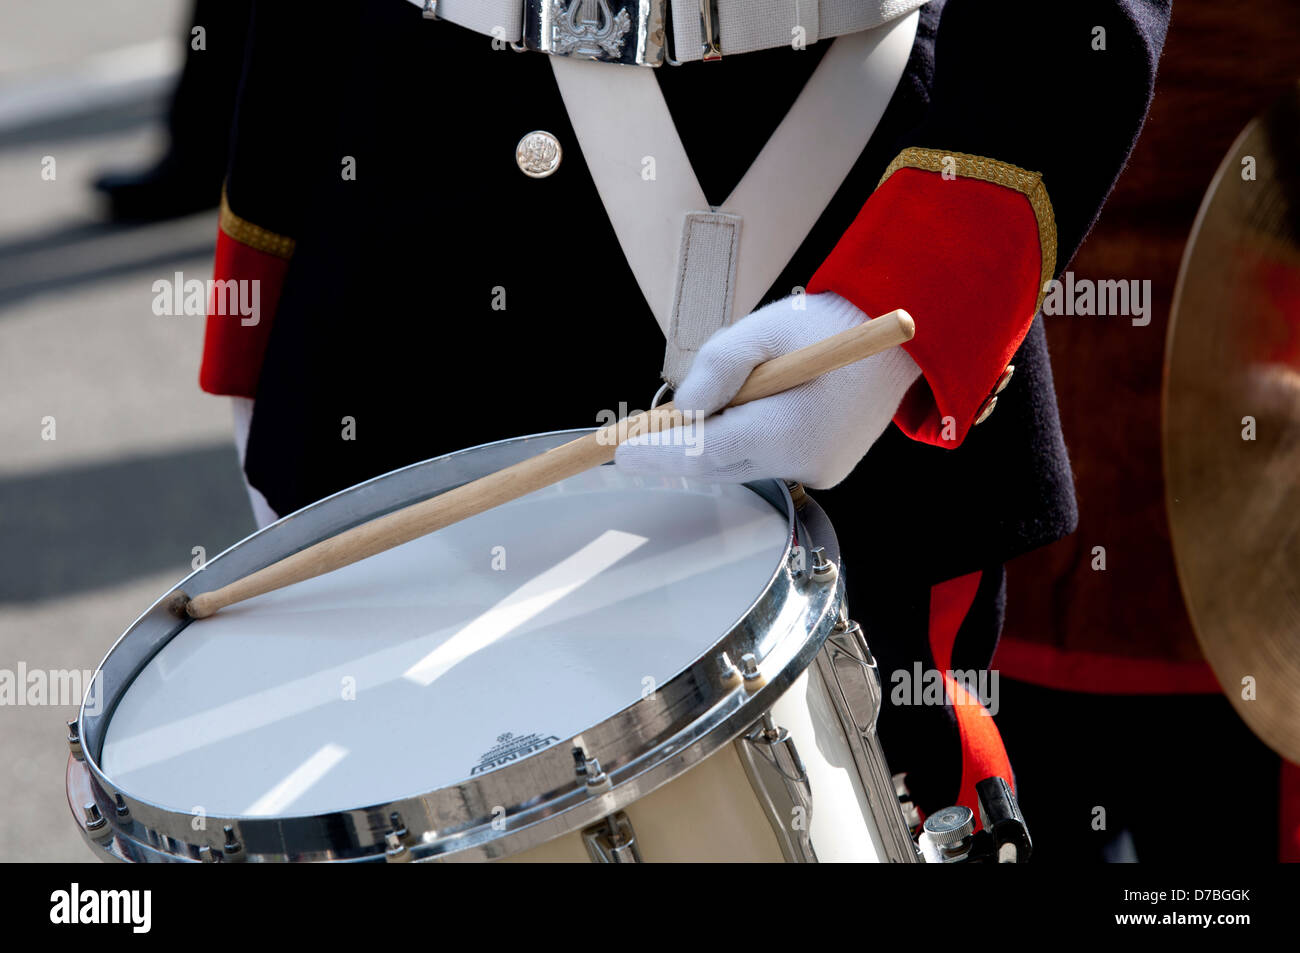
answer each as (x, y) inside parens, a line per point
(701, 268)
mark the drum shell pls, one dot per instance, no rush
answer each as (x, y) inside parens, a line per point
(443, 825)
(716, 813)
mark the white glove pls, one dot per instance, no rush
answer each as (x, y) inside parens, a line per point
(815, 433)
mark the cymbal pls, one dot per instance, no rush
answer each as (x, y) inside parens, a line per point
(1231, 422)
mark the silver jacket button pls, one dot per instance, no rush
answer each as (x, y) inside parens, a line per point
(538, 154)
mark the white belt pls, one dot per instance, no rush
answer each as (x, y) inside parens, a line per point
(635, 31)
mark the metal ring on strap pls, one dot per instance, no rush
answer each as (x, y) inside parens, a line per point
(659, 394)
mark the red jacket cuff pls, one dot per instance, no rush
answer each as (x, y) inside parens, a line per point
(965, 245)
(249, 273)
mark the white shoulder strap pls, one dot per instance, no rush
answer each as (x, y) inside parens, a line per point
(644, 178)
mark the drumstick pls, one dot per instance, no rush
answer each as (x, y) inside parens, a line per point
(519, 479)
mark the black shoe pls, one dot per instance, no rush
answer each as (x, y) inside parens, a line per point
(169, 189)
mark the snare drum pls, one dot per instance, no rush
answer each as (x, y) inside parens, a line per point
(612, 669)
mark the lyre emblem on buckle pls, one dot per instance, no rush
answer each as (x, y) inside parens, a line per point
(588, 28)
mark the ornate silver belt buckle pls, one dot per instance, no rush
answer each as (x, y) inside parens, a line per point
(630, 32)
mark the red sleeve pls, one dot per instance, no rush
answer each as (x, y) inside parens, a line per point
(965, 245)
(234, 342)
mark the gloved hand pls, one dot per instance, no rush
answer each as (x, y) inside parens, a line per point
(815, 433)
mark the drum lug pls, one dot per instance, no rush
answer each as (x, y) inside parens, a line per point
(778, 777)
(856, 675)
(612, 841)
(849, 671)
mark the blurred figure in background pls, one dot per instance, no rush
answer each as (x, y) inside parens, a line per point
(188, 176)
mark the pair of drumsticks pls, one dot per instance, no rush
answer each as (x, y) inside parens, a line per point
(418, 519)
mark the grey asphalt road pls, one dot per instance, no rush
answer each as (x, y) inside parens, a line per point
(99, 521)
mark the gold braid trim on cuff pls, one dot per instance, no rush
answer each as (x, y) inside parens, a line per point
(1029, 184)
(254, 236)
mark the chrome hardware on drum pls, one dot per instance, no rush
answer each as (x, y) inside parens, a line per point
(612, 669)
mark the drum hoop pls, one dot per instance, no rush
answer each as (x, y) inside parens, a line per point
(641, 748)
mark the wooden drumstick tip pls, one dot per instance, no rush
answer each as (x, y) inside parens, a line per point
(905, 324)
(201, 606)
(178, 604)
(183, 606)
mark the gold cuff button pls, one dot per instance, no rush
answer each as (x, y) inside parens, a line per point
(1005, 379)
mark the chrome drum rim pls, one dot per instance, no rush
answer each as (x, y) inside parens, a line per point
(646, 745)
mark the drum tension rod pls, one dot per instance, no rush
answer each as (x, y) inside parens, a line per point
(232, 849)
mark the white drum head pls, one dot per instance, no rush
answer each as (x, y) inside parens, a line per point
(446, 657)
